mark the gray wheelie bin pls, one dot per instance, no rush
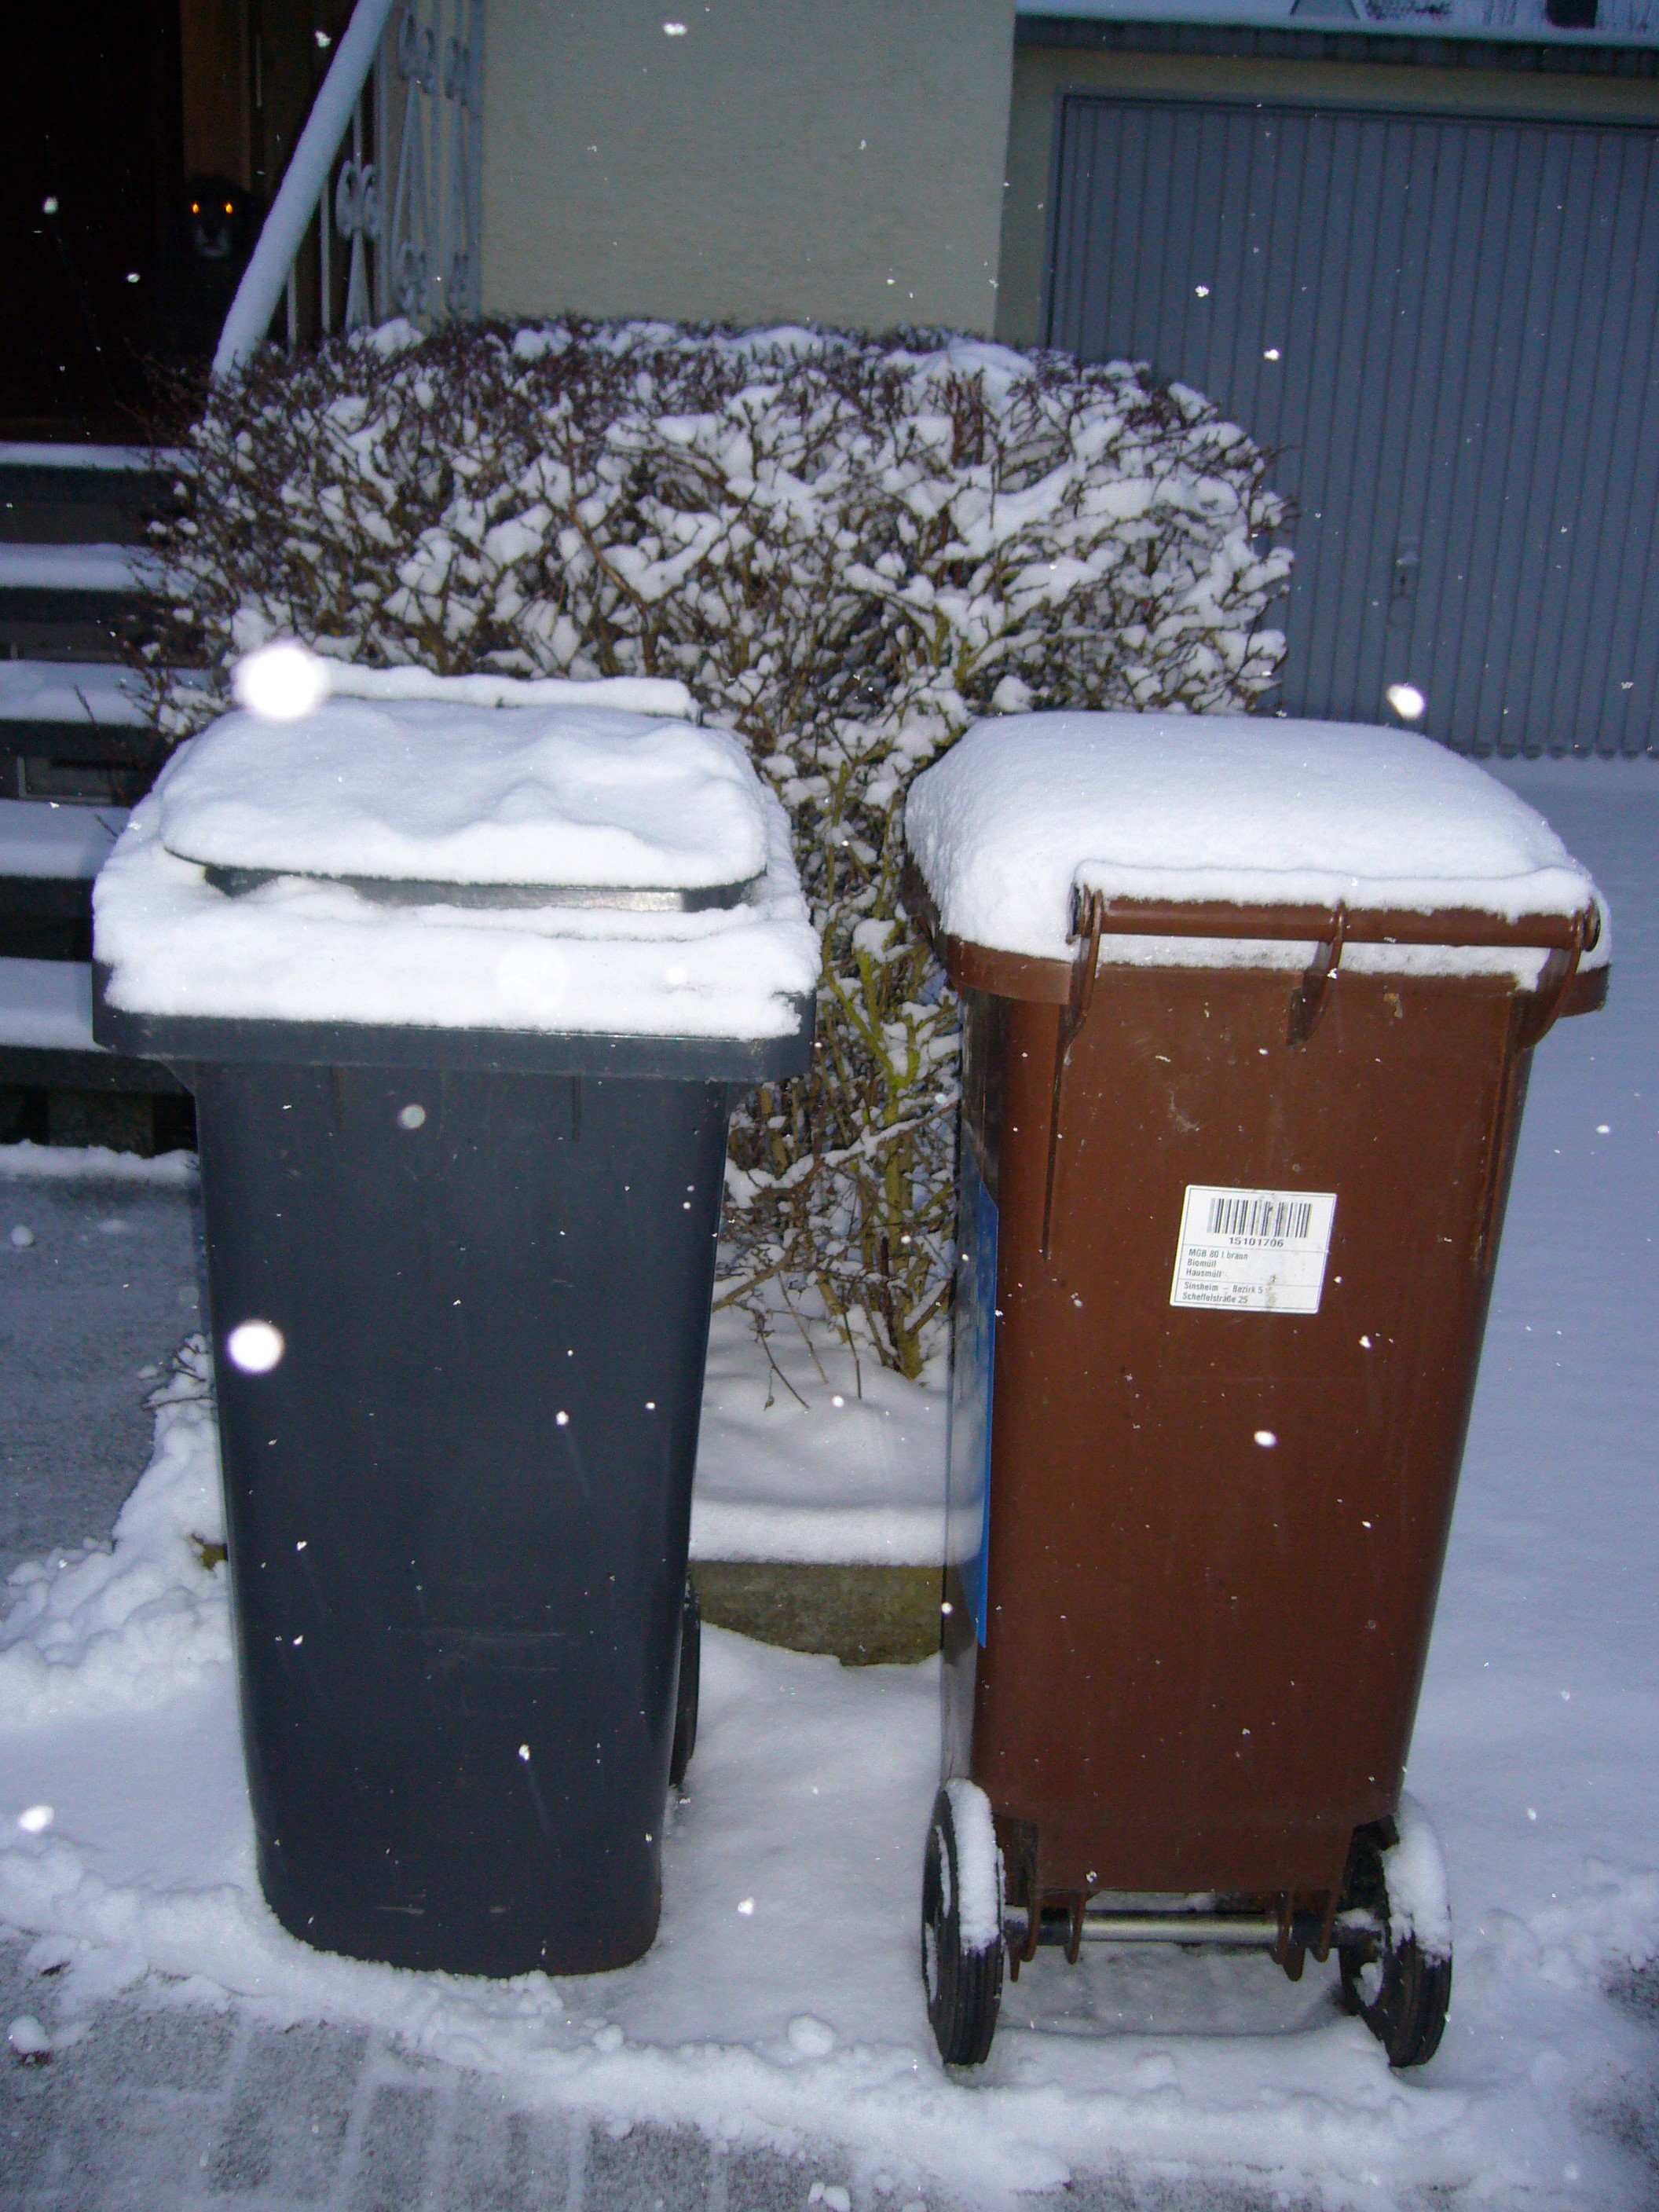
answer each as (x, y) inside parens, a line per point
(464, 995)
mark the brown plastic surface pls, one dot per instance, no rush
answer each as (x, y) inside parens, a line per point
(1203, 1653)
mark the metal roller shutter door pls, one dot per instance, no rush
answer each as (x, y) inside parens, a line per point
(1445, 329)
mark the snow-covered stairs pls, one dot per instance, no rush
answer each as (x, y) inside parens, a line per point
(75, 751)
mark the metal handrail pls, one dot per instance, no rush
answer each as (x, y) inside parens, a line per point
(427, 260)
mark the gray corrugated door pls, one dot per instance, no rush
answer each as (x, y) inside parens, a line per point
(1446, 330)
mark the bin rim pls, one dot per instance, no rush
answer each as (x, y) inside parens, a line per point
(974, 966)
(184, 1040)
(399, 890)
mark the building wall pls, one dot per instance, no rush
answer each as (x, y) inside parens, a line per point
(835, 161)
(1044, 73)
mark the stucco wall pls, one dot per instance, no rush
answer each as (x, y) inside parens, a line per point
(827, 161)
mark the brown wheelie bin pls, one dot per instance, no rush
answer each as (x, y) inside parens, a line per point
(1249, 1009)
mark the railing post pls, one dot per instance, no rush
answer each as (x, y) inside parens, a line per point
(304, 184)
(415, 248)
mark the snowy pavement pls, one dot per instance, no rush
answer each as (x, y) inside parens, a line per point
(772, 2049)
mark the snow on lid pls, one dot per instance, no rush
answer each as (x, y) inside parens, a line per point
(1223, 808)
(429, 791)
(628, 694)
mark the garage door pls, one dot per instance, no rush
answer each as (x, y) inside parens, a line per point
(1445, 329)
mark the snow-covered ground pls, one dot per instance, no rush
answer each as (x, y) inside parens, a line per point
(782, 2001)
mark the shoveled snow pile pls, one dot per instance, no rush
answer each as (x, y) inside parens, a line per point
(551, 800)
(1224, 808)
(79, 1163)
(120, 1628)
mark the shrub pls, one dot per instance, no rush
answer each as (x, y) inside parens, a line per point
(847, 549)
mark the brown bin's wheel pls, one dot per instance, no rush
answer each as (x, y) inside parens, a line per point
(1400, 1988)
(685, 1700)
(962, 1925)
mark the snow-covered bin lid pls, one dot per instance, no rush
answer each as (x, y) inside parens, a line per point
(431, 863)
(1276, 821)
(520, 805)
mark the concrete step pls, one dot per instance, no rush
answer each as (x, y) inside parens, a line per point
(75, 731)
(77, 495)
(75, 522)
(76, 750)
(73, 601)
(49, 855)
(58, 1086)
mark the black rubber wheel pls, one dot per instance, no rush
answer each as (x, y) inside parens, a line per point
(1402, 1995)
(685, 1700)
(963, 1983)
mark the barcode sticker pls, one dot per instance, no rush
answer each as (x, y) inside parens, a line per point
(1253, 1251)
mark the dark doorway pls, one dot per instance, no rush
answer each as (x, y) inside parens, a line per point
(90, 126)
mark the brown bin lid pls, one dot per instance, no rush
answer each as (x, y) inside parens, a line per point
(1037, 829)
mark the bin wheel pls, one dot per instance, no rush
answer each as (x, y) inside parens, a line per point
(962, 1925)
(685, 1700)
(1394, 1980)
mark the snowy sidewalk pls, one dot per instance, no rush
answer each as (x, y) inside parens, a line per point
(772, 2051)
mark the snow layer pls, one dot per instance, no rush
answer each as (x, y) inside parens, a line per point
(59, 842)
(628, 694)
(96, 1163)
(534, 796)
(425, 791)
(979, 1867)
(82, 691)
(1415, 1871)
(1219, 807)
(115, 1630)
(46, 1006)
(77, 568)
(807, 1454)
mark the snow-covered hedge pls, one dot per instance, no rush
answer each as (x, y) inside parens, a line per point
(848, 550)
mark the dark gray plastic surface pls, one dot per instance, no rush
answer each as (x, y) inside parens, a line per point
(183, 1039)
(458, 1505)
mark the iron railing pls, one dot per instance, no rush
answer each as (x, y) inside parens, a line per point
(378, 212)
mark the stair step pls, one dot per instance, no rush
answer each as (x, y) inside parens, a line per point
(46, 1004)
(92, 694)
(70, 459)
(99, 571)
(58, 1086)
(48, 857)
(67, 494)
(76, 732)
(72, 601)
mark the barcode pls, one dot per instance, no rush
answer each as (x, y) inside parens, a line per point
(1260, 1216)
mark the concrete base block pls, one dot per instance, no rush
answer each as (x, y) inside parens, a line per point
(867, 1615)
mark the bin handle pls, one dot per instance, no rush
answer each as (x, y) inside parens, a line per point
(1555, 980)
(1308, 1000)
(1088, 919)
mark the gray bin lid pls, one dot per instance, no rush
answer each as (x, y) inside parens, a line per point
(337, 887)
(421, 802)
